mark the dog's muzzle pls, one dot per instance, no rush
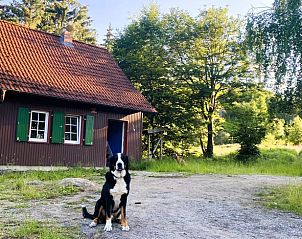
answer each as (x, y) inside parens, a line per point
(119, 167)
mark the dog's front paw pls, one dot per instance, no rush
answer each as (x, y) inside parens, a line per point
(93, 224)
(108, 227)
(125, 228)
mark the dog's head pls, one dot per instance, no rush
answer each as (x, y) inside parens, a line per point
(118, 165)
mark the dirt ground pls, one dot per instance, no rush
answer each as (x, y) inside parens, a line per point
(172, 206)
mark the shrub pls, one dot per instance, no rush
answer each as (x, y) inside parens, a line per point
(295, 131)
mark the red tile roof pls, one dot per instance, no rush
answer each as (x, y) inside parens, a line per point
(38, 63)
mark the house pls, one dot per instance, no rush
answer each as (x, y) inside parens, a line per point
(64, 102)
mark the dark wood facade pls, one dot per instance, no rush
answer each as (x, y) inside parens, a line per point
(13, 152)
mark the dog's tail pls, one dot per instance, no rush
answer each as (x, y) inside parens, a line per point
(86, 214)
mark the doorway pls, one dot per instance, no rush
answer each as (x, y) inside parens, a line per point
(116, 137)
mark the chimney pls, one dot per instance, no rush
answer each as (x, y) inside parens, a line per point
(66, 37)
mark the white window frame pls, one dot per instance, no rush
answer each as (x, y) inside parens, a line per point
(79, 125)
(42, 140)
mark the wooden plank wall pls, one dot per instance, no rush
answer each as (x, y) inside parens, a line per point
(47, 154)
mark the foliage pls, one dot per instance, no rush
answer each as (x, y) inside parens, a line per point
(51, 16)
(295, 131)
(183, 65)
(215, 61)
(246, 121)
(274, 35)
(277, 128)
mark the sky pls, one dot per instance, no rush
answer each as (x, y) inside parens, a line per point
(119, 13)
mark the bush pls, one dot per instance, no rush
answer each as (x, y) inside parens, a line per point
(248, 131)
(295, 131)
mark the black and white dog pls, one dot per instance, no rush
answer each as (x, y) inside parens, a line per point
(112, 204)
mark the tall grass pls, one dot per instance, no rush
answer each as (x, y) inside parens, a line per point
(271, 162)
(287, 198)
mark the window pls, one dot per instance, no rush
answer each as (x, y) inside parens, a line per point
(34, 126)
(38, 127)
(72, 129)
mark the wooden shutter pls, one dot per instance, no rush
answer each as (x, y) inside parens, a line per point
(89, 130)
(22, 124)
(58, 123)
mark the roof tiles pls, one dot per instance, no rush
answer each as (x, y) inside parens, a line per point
(38, 63)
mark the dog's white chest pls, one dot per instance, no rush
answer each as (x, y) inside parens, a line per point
(119, 189)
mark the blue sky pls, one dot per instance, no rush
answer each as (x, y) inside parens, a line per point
(119, 13)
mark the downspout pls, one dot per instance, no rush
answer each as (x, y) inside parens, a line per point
(2, 95)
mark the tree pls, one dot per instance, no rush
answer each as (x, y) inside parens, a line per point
(139, 51)
(26, 12)
(52, 16)
(274, 35)
(211, 62)
(247, 118)
(183, 66)
(59, 14)
(295, 131)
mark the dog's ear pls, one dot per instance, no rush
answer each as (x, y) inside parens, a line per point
(126, 161)
(112, 161)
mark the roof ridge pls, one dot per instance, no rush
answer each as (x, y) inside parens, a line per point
(51, 34)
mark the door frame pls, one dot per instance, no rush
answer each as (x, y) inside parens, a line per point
(124, 133)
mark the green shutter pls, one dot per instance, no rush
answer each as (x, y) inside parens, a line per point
(58, 122)
(23, 124)
(89, 130)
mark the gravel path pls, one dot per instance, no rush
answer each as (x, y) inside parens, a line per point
(172, 206)
(201, 206)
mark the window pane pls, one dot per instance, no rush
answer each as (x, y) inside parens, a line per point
(33, 134)
(41, 126)
(67, 136)
(74, 121)
(34, 116)
(67, 128)
(41, 117)
(74, 137)
(40, 135)
(74, 129)
(34, 125)
(67, 119)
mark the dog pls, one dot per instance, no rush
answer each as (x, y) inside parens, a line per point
(112, 204)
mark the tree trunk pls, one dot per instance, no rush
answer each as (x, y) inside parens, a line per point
(210, 146)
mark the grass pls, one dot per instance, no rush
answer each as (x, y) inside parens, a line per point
(20, 188)
(37, 230)
(35, 185)
(287, 198)
(272, 162)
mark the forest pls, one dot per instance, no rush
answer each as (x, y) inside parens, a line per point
(214, 79)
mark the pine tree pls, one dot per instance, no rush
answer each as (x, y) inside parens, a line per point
(52, 16)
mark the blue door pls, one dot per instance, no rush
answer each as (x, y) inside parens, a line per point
(116, 136)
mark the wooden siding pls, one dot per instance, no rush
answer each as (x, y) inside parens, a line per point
(48, 154)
